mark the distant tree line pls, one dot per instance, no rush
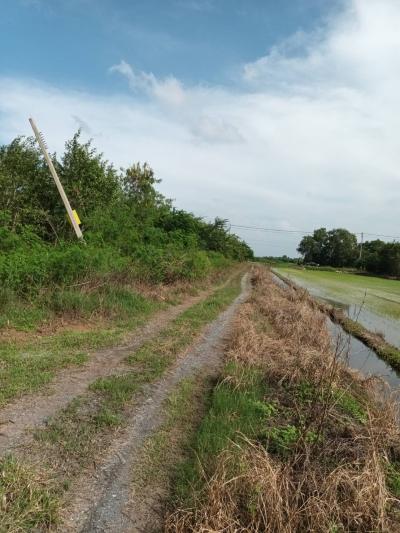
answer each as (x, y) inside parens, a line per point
(339, 248)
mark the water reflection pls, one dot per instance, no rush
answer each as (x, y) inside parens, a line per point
(388, 327)
(356, 354)
(360, 357)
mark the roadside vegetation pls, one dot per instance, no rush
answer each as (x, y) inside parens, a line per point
(293, 440)
(60, 298)
(133, 234)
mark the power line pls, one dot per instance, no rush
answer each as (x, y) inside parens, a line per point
(279, 230)
(379, 235)
(270, 229)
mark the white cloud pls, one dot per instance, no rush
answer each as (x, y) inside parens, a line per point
(307, 137)
(168, 90)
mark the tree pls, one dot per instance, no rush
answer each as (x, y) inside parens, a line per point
(371, 258)
(342, 249)
(28, 194)
(390, 259)
(139, 186)
(337, 247)
(89, 180)
(314, 248)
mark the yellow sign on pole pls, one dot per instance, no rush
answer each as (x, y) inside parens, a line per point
(76, 217)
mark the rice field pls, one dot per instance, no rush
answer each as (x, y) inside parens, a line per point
(379, 295)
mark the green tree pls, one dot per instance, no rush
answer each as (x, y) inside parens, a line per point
(337, 247)
(90, 181)
(371, 258)
(314, 249)
(342, 249)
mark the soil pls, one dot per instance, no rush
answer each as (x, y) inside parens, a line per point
(104, 499)
(18, 418)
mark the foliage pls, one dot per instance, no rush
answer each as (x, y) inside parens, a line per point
(337, 248)
(130, 229)
(382, 258)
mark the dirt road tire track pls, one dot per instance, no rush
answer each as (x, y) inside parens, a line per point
(32, 411)
(102, 501)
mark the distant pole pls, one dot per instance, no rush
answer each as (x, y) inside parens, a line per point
(60, 188)
(361, 245)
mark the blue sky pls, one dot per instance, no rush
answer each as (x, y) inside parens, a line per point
(272, 114)
(73, 42)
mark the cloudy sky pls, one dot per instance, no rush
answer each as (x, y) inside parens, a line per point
(271, 114)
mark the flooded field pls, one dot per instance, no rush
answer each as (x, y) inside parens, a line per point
(374, 302)
(356, 354)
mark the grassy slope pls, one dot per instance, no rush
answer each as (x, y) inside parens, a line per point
(383, 295)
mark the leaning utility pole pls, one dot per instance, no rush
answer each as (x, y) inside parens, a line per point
(361, 245)
(71, 215)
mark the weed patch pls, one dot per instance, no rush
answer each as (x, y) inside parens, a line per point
(26, 503)
(301, 446)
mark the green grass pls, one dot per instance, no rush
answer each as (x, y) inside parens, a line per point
(306, 393)
(165, 449)
(26, 503)
(350, 405)
(109, 302)
(383, 295)
(237, 408)
(393, 478)
(79, 430)
(28, 365)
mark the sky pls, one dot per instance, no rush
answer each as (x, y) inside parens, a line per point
(281, 115)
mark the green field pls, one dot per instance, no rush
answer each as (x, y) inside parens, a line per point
(378, 294)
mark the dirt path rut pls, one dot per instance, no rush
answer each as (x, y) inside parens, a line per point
(103, 501)
(17, 418)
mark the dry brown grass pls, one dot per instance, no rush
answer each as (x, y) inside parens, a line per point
(331, 482)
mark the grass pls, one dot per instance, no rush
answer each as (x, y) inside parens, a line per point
(292, 440)
(82, 431)
(29, 362)
(26, 503)
(382, 295)
(27, 365)
(73, 431)
(110, 302)
(237, 408)
(162, 452)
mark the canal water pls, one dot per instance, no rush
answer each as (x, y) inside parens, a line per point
(388, 327)
(354, 352)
